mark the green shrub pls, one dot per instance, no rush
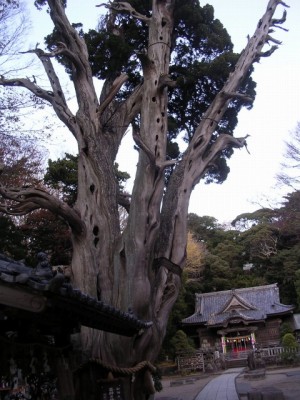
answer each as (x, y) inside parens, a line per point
(289, 341)
(181, 343)
(290, 347)
(285, 328)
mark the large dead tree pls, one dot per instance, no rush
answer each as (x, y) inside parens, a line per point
(138, 269)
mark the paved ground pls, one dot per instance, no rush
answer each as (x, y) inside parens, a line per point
(221, 387)
(183, 392)
(230, 385)
(286, 379)
(202, 387)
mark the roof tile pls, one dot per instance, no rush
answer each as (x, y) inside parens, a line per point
(263, 301)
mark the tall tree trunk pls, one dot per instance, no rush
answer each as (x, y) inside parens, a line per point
(140, 269)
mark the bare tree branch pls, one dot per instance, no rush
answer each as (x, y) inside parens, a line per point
(267, 53)
(73, 43)
(122, 6)
(240, 96)
(216, 110)
(166, 80)
(55, 98)
(25, 200)
(160, 165)
(271, 39)
(222, 142)
(280, 21)
(291, 164)
(60, 49)
(74, 48)
(132, 105)
(138, 140)
(118, 82)
(30, 85)
(201, 152)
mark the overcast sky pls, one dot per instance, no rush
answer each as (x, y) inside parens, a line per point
(275, 112)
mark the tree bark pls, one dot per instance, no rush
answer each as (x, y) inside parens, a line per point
(140, 269)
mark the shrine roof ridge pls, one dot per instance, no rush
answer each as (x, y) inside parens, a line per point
(252, 303)
(238, 290)
(61, 295)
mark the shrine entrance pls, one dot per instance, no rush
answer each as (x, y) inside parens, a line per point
(238, 342)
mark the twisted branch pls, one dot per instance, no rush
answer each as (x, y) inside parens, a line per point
(24, 200)
(121, 6)
(280, 21)
(30, 85)
(240, 96)
(138, 140)
(61, 48)
(216, 110)
(55, 97)
(224, 141)
(116, 85)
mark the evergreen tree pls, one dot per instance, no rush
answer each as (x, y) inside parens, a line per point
(177, 73)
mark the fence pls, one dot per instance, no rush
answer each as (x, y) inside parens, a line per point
(273, 355)
(276, 351)
(207, 361)
(190, 362)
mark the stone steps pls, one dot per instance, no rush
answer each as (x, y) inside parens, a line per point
(236, 363)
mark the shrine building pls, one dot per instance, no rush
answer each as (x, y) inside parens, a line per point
(238, 320)
(41, 315)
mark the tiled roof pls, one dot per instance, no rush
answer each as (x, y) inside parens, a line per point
(57, 300)
(225, 318)
(250, 304)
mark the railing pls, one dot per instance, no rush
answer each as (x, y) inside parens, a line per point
(276, 351)
(275, 355)
(205, 360)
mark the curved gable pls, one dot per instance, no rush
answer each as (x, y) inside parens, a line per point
(251, 304)
(236, 302)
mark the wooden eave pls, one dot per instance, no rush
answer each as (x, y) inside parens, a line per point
(51, 302)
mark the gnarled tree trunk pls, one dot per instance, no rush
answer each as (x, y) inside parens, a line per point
(138, 269)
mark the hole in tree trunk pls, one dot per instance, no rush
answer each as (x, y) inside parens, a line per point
(122, 253)
(198, 143)
(85, 149)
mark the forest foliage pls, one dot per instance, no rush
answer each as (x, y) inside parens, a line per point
(171, 71)
(261, 248)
